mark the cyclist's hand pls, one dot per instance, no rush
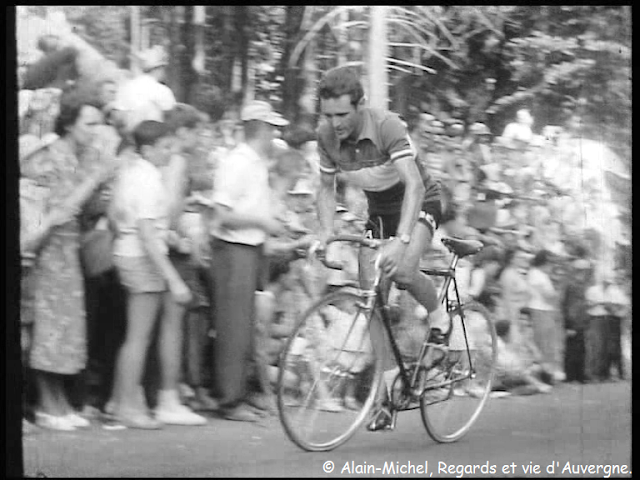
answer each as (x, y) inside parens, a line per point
(391, 256)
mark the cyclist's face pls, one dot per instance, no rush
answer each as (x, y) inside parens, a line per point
(345, 118)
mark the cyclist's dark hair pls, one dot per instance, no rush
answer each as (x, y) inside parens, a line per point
(71, 104)
(341, 81)
(149, 132)
(183, 115)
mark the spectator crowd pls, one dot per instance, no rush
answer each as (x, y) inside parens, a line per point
(164, 259)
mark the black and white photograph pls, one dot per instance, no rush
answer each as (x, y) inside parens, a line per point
(385, 241)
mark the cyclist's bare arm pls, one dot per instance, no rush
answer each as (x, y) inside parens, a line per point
(326, 204)
(413, 194)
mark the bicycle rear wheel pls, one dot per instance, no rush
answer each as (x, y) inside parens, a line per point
(456, 391)
(330, 371)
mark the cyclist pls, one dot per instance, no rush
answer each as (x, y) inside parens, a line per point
(372, 148)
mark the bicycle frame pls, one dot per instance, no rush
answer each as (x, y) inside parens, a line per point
(379, 304)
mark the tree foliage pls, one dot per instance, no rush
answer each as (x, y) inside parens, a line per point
(475, 63)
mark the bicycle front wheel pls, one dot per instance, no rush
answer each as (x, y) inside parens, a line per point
(457, 389)
(330, 371)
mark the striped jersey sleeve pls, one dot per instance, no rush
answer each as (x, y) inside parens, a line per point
(394, 139)
(327, 165)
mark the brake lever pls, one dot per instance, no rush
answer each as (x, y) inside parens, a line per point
(320, 253)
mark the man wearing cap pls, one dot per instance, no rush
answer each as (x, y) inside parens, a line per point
(372, 149)
(145, 97)
(241, 220)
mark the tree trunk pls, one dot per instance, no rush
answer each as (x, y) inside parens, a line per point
(135, 38)
(243, 52)
(188, 76)
(230, 38)
(294, 81)
(378, 52)
(170, 17)
(342, 37)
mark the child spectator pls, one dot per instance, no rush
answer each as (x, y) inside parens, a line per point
(483, 284)
(514, 290)
(141, 212)
(188, 246)
(516, 372)
(281, 251)
(543, 309)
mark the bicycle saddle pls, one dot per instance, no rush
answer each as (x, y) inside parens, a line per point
(462, 248)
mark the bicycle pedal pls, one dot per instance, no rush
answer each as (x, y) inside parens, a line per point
(383, 421)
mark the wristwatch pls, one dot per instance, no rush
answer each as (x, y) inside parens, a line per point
(405, 238)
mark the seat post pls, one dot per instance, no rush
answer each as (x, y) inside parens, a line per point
(449, 276)
(454, 262)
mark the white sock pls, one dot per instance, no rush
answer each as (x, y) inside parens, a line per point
(389, 377)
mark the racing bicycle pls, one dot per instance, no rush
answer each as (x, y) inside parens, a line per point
(331, 368)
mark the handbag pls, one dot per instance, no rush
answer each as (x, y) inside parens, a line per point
(96, 252)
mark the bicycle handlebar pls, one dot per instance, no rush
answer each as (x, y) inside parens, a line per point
(365, 242)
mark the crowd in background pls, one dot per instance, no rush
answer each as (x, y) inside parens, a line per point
(560, 313)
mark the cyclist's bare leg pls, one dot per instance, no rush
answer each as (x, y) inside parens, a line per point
(419, 285)
(379, 340)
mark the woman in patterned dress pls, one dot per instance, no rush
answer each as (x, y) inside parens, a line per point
(58, 345)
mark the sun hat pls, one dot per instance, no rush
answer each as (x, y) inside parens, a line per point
(262, 111)
(153, 58)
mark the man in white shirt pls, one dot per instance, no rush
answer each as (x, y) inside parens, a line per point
(607, 305)
(145, 97)
(241, 220)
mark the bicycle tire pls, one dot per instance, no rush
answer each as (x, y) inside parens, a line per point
(315, 363)
(449, 412)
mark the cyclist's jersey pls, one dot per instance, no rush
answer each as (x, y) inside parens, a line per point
(368, 162)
